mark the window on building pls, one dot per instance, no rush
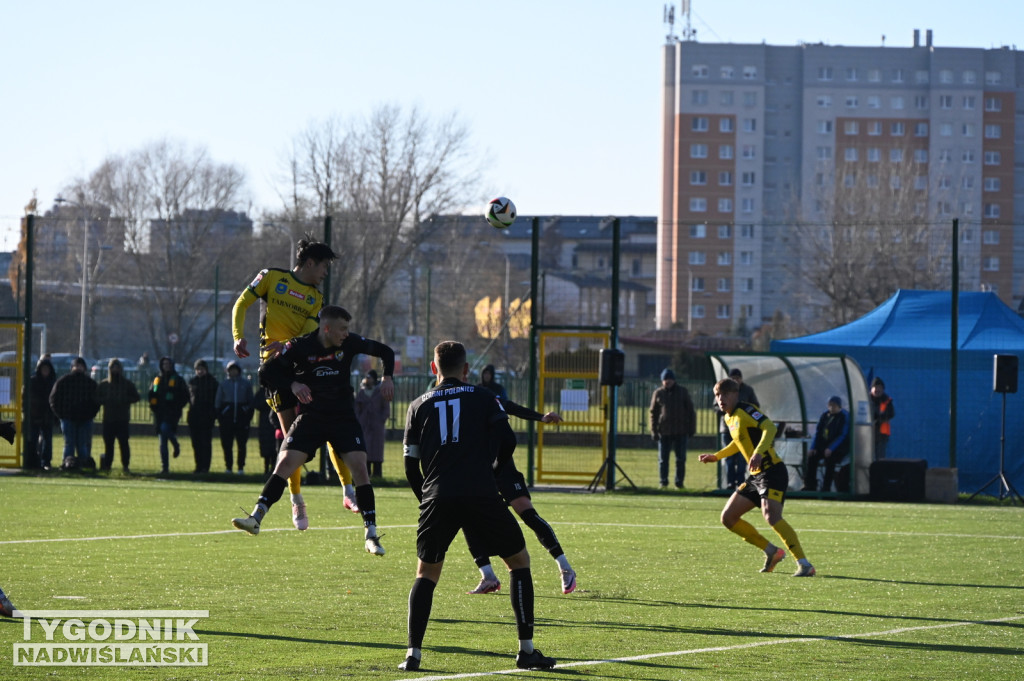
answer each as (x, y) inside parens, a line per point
(970, 77)
(874, 102)
(699, 97)
(896, 102)
(967, 182)
(749, 151)
(849, 179)
(747, 231)
(992, 184)
(944, 208)
(824, 127)
(966, 208)
(724, 284)
(966, 236)
(747, 205)
(895, 182)
(874, 75)
(898, 129)
(749, 99)
(920, 155)
(697, 284)
(874, 154)
(945, 101)
(946, 129)
(728, 72)
(724, 205)
(967, 129)
(726, 125)
(725, 178)
(698, 231)
(899, 75)
(920, 182)
(992, 210)
(748, 178)
(749, 73)
(824, 101)
(875, 128)
(993, 104)
(970, 101)
(723, 311)
(990, 237)
(698, 312)
(746, 257)
(851, 74)
(851, 127)
(945, 155)
(990, 263)
(698, 151)
(921, 102)
(698, 177)
(698, 257)
(698, 204)
(725, 151)
(824, 153)
(946, 76)
(700, 71)
(872, 180)
(851, 101)
(749, 125)
(993, 78)
(824, 73)
(724, 231)
(993, 158)
(993, 131)
(747, 284)
(945, 182)
(850, 154)
(699, 124)
(920, 129)
(921, 76)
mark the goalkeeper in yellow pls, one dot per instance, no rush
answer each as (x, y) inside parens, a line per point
(290, 303)
(753, 435)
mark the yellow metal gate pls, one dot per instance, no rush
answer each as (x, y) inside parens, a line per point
(11, 380)
(568, 383)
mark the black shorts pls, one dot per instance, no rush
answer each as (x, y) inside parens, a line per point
(769, 484)
(441, 519)
(281, 401)
(511, 483)
(310, 431)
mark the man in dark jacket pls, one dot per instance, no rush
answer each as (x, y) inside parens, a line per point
(40, 440)
(74, 402)
(831, 444)
(116, 395)
(673, 419)
(487, 381)
(202, 390)
(234, 409)
(735, 465)
(168, 395)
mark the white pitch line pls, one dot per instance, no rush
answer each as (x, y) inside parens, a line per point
(183, 534)
(718, 649)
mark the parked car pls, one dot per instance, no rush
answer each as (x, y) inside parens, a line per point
(98, 371)
(61, 362)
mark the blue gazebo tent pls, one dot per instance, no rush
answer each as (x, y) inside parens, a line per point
(906, 342)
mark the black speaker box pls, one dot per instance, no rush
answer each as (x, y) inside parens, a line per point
(898, 479)
(1004, 374)
(613, 366)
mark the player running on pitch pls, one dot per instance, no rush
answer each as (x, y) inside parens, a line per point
(753, 435)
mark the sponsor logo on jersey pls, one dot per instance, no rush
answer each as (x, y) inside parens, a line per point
(320, 372)
(258, 279)
(296, 294)
(281, 287)
(310, 300)
(756, 415)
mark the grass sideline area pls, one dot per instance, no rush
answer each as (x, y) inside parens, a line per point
(904, 591)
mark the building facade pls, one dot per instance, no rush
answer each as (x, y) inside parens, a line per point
(758, 139)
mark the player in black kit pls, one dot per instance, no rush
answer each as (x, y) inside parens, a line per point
(316, 369)
(455, 437)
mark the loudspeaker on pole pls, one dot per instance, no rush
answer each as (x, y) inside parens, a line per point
(1004, 373)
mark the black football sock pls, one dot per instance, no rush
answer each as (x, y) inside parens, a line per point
(544, 533)
(522, 602)
(421, 597)
(272, 491)
(367, 505)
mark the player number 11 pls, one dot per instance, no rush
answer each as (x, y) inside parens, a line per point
(453, 428)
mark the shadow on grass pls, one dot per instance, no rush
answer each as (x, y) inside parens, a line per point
(914, 583)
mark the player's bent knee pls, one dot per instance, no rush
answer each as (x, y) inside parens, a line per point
(517, 561)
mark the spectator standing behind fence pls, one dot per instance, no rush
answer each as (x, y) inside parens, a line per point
(40, 440)
(266, 427)
(373, 412)
(735, 465)
(673, 420)
(882, 412)
(116, 395)
(168, 395)
(74, 402)
(830, 446)
(487, 381)
(202, 414)
(234, 409)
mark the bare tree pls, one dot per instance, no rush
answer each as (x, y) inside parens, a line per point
(176, 208)
(865, 232)
(380, 178)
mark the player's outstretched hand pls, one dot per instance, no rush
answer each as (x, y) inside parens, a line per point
(707, 458)
(387, 388)
(240, 351)
(273, 348)
(551, 417)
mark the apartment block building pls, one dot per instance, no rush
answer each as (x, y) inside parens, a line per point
(755, 135)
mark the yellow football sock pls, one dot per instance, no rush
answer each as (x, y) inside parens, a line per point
(295, 481)
(749, 534)
(788, 535)
(344, 474)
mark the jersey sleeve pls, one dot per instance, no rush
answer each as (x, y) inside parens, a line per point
(411, 438)
(767, 428)
(365, 346)
(246, 298)
(519, 410)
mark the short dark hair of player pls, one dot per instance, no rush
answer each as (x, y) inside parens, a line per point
(450, 357)
(317, 251)
(726, 385)
(333, 313)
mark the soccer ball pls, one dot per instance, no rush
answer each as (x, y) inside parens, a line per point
(500, 212)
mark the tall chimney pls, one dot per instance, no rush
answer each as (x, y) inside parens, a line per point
(928, 38)
(917, 37)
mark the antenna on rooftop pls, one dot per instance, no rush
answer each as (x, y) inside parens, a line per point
(689, 32)
(669, 18)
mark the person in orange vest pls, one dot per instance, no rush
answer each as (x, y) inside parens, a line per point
(881, 413)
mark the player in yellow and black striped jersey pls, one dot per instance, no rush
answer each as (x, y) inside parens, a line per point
(290, 303)
(753, 436)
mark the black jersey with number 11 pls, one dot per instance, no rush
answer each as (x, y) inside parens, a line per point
(454, 431)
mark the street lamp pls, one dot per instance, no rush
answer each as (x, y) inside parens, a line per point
(85, 271)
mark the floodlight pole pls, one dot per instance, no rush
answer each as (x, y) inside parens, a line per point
(954, 341)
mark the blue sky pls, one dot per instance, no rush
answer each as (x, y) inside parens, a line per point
(562, 96)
